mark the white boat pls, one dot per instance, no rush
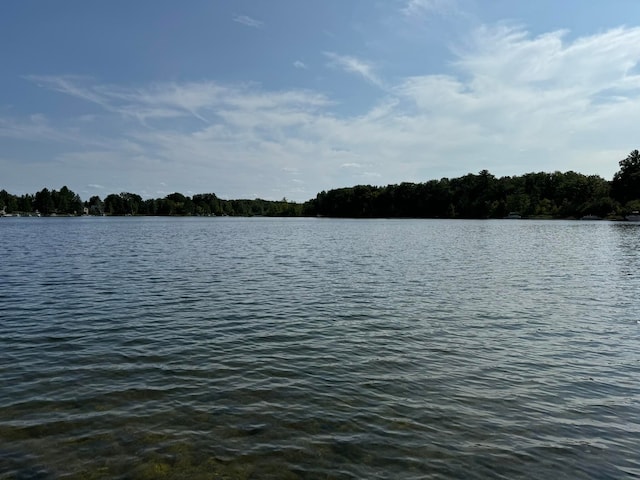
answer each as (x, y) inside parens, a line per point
(633, 216)
(513, 216)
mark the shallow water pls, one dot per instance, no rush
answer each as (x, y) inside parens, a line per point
(315, 348)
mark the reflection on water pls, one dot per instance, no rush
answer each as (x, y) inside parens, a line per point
(317, 348)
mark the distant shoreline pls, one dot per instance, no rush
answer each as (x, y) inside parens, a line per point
(540, 195)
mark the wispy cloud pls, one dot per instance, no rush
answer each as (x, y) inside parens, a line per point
(247, 21)
(174, 100)
(354, 65)
(299, 64)
(586, 65)
(69, 84)
(416, 8)
(111, 98)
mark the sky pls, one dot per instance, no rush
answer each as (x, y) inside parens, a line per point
(286, 98)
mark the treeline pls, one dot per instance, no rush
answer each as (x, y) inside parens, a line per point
(545, 195)
(66, 202)
(45, 202)
(551, 195)
(482, 195)
(201, 204)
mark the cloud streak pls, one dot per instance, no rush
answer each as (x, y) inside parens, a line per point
(354, 65)
(247, 21)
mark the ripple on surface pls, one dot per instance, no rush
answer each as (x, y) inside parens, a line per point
(318, 349)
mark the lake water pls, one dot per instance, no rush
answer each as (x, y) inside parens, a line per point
(231, 348)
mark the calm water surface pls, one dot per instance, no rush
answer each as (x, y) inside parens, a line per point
(138, 348)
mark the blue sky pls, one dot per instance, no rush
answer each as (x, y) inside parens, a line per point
(286, 98)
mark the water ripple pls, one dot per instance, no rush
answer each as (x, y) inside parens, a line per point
(314, 348)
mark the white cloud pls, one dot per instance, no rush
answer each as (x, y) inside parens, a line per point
(300, 65)
(512, 103)
(247, 21)
(354, 65)
(588, 64)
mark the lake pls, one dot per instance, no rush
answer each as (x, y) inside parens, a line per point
(251, 348)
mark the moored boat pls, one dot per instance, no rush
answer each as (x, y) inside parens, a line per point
(633, 216)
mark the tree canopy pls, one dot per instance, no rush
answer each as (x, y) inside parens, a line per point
(482, 195)
(626, 182)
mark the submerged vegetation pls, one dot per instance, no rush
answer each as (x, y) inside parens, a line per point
(482, 195)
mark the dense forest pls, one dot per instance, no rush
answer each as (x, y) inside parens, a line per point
(482, 195)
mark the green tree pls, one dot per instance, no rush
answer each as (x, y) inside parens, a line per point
(114, 205)
(62, 199)
(178, 204)
(626, 182)
(43, 202)
(25, 203)
(8, 202)
(95, 205)
(130, 203)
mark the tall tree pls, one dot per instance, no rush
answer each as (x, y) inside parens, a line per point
(43, 202)
(130, 203)
(8, 202)
(114, 205)
(95, 205)
(626, 182)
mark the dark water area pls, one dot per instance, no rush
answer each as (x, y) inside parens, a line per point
(138, 348)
